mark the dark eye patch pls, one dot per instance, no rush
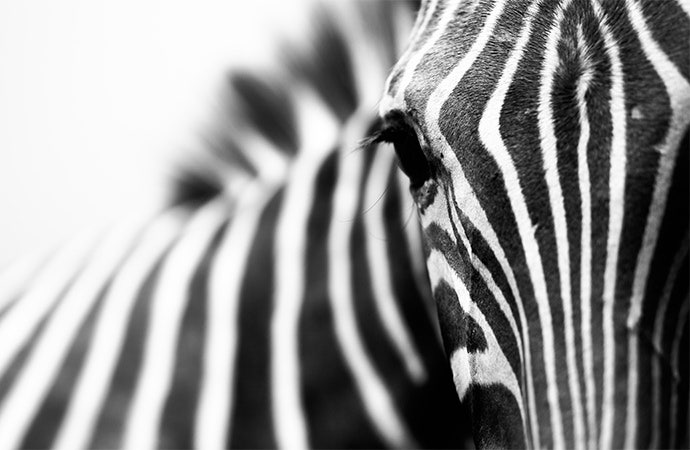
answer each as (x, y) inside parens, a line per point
(411, 158)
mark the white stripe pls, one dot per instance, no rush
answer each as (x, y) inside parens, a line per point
(616, 210)
(440, 270)
(376, 399)
(41, 368)
(679, 95)
(318, 133)
(227, 271)
(168, 303)
(487, 130)
(460, 367)
(22, 320)
(18, 276)
(381, 278)
(108, 336)
(658, 335)
(675, 355)
(586, 242)
(549, 146)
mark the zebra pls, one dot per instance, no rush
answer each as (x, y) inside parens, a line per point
(546, 145)
(279, 300)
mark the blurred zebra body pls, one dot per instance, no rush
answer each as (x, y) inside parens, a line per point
(278, 302)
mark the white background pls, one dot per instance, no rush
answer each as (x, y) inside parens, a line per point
(98, 98)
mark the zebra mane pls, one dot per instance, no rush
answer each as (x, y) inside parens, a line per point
(260, 101)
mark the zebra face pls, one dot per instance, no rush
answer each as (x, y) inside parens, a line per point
(546, 146)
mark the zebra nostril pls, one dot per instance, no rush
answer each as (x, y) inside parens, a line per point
(411, 157)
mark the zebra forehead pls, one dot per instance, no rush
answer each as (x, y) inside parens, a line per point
(481, 35)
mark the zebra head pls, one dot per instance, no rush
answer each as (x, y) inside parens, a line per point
(546, 142)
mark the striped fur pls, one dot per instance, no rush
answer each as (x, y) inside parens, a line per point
(554, 135)
(279, 302)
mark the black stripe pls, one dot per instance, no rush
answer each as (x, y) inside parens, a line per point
(490, 406)
(177, 419)
(451, 315)
(251, 423)
(112, 418)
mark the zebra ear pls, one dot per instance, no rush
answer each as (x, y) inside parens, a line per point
(411, 158)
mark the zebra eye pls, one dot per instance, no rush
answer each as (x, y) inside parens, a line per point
(411, 157)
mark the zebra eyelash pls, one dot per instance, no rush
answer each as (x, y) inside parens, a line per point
(412, 160)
